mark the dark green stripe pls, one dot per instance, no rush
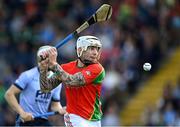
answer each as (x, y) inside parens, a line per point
(100, 78)
(97, 114)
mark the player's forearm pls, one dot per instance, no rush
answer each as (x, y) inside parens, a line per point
(48, 83)
(12, 101)
(68, 79)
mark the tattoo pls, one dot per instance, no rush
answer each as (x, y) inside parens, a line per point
(76, 79)
(48, 83)
(68, 79)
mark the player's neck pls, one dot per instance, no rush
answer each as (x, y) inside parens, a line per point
(80, 64)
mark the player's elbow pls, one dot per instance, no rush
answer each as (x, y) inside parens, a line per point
(8, 94)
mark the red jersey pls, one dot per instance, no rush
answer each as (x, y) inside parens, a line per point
(85, 100)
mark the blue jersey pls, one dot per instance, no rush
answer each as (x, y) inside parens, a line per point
(31, 98)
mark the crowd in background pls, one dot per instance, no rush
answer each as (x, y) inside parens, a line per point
(139, 31)
(167, 110)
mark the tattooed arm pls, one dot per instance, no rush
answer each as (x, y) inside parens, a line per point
(60, 75)
(68, 79)
(47, 83)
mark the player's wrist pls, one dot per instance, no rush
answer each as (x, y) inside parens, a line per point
(54, 67)
(51, 65)
(21, 113)
(57, 69)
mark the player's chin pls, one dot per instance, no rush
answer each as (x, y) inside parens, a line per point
(94, 60)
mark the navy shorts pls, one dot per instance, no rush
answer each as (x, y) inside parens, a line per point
(36, 122)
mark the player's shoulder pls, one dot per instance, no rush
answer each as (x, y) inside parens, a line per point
(96, 66)
(99, 71)
(31, 72)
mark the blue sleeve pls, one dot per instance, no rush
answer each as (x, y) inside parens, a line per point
(56, 93)
(22, 81)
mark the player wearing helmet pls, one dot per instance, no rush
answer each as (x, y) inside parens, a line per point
(85, 42)
(32, 101)
(82, 79)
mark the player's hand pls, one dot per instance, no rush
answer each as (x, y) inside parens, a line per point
(52, 55)
(26, 116)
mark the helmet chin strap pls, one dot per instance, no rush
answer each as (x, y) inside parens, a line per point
(86, 62)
